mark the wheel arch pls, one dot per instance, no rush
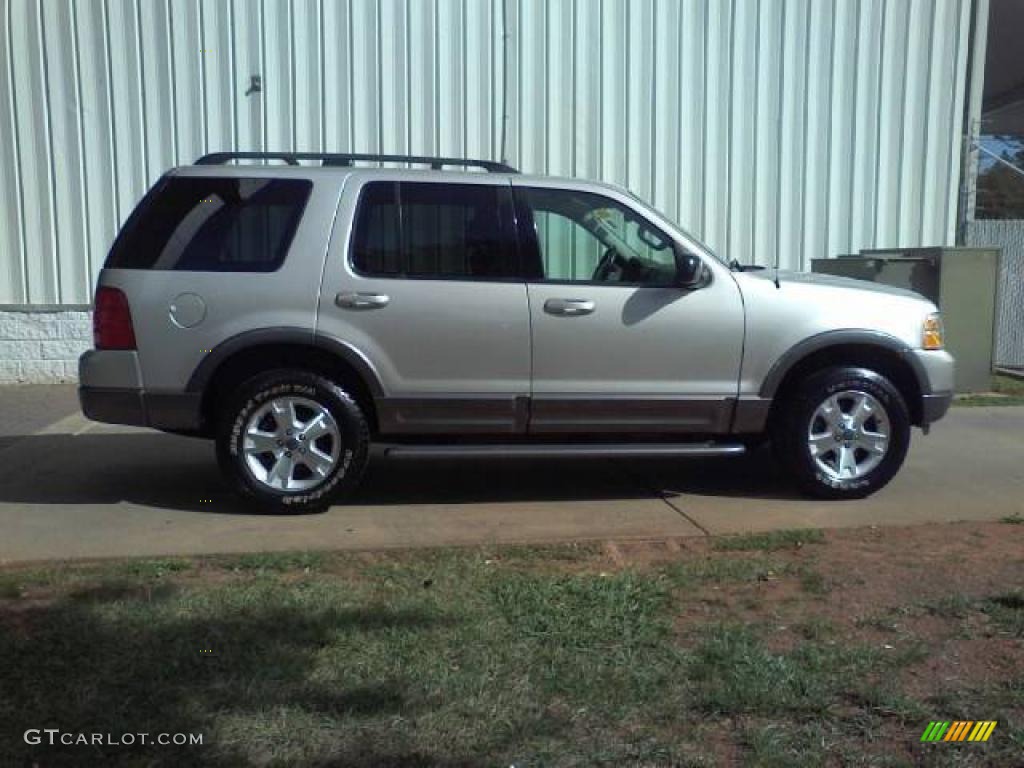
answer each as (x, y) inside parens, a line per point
(243, 356)
(875, 351)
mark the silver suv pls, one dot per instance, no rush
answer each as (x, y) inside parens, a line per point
(299, 312)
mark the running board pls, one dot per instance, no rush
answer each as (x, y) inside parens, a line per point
(565, 450)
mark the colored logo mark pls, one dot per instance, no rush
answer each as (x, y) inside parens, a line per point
(959, 730)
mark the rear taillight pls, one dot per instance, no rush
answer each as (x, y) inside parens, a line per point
(112, 320)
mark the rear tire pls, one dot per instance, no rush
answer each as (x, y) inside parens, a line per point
(292, 441)
(843, 434)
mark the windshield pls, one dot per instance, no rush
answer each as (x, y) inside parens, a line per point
(701, 245)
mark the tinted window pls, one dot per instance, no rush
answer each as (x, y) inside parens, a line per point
(212, 224)
(583, 237)
(376, 249)
(456, 231)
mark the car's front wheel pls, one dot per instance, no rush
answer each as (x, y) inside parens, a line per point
(291, 441)
(843, 434)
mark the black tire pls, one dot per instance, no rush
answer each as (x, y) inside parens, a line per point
(791, 427)
(253, 395)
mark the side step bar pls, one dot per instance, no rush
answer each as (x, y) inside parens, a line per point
(554, 450)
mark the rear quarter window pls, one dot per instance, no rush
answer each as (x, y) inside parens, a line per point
(212, 225)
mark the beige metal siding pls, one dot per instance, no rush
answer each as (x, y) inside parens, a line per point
(798, 127)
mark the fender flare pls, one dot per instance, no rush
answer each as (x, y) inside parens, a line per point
(866, 338)
(206, 369)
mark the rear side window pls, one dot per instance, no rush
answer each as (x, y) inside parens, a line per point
(453, 231)
(212, 225)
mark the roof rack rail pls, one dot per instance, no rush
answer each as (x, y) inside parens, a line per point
(346, 160)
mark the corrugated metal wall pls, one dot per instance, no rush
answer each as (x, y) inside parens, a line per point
(798, 127)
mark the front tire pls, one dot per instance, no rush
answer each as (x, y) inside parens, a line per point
(843, 434)
(292, 441)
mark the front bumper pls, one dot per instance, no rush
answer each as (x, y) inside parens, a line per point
(934, 407)
(936, 369)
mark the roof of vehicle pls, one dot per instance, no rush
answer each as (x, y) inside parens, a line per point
(340, 165)
(335, 171)
(348, 159)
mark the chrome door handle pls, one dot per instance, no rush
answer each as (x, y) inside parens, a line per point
(568, 306)
(361, 300)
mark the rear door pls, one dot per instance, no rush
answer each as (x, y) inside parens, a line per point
(618, 346)
(423, 279)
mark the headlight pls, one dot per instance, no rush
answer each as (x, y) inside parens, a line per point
(932, 336)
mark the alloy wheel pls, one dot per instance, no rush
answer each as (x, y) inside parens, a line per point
(848, 435)
(291, 444)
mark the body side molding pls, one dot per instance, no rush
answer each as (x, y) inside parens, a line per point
(560, 450)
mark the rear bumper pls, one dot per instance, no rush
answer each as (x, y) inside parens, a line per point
(934, 407)
(173, 412)
(110, 390)
(113, 406)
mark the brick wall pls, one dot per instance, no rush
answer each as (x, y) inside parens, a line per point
(42, 345)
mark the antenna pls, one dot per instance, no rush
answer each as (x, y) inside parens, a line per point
(775, 267)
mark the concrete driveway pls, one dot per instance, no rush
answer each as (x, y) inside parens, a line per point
(72, 489)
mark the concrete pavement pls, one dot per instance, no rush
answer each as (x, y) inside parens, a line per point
(31, 407)
(75, 489)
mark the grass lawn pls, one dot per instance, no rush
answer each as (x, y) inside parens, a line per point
(1006, 390)
(785, 649)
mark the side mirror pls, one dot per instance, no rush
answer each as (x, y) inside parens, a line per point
(689, 269)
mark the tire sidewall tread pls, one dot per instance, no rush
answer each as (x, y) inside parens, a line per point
(790, 432)
(252, 395)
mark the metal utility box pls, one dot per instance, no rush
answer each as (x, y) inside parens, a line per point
(963, 282)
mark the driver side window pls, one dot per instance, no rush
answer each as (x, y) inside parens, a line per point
(583, 237)
(568, 251)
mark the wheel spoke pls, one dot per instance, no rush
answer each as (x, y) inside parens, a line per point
(831, 412)
(257, 441)
(280, 474)
(317, 428)
(318, 462)
(293, 416)
(861, 411)
(822, 443)
(847, 462)
(282, 415)
(873, 442)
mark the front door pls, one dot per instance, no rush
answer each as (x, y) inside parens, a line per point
(617, 345)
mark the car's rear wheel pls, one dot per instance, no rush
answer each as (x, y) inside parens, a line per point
(843, 433)
(292, 441)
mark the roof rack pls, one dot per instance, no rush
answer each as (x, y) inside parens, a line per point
(346, 160)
